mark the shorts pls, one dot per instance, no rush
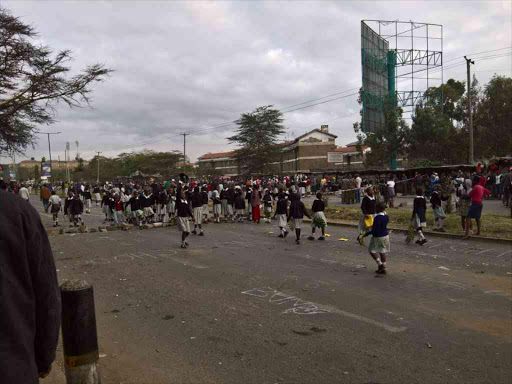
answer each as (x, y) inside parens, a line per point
(475, 211)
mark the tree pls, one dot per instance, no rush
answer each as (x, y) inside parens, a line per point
(33, 81)
(493, 119)
(257, 135)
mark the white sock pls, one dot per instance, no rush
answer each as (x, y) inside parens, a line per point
(422, 236)
(378, 261)
(384, 264)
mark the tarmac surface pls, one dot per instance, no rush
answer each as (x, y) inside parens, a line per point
(243, 306)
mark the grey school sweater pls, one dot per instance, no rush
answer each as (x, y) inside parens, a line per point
(29, 294)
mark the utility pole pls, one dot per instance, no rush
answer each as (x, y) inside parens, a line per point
(98, 160)
(50, 148)
(184, 149)
(471, 149)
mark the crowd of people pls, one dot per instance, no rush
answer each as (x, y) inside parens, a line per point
(191, 203)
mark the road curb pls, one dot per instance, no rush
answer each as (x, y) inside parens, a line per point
(433, 234)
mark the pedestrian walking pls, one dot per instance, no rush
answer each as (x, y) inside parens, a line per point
(379, 244)
(97, 195)
(436, 200)
(87, 199)
(182, 220)
(267, 205)
(282, 214)
(239, 205)
(217, 206)
(255, 202)
(419, 215)
(197, 210)
(55, 206)
(367, 214)
(319, 220)
(45, 194)
(477, 195)
(296, 214)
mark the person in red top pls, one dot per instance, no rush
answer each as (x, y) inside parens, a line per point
(118, 210)
(476, 195)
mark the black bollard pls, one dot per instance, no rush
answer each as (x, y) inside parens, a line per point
(79, 336)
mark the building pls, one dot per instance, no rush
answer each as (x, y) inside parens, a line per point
(348, 157)
(301, 155)
(224, 163)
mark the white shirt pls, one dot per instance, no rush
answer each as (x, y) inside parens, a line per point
(358, 182)
(391, 184)
(54, 199)
(24, 193)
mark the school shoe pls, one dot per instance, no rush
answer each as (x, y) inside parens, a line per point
(297, 241)
(418, 242)
(194, 232)
(286, 234)
(183, 245)
(311, 238)
(441, 230)
(423, 241)
(186, 243)
(380, 269)
(201, 233)
(321, 238)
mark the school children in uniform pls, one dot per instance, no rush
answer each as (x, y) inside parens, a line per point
(67, 207)
(183, 213)
(217, 206)
(230, 195)
(419, 218)
(147, 200)
(105, 206)
(55, 207)
(267, 205)
(379, 244)
(239, 205)
(171, 204)
(367, 214)
(248, 195)
(77, 209)
(118, 210)
(87, 199)
(319, 220)
(136, 208)
(204, 201)
(296, 214)
(282, 214)
(97, 195)
(162, 204)
(439, 215)
(197, 211)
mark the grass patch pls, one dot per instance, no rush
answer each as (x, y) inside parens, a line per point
(492, 225)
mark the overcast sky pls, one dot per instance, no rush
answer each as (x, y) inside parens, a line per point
(188, 66)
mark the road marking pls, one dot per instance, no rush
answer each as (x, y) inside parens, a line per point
(302, 307)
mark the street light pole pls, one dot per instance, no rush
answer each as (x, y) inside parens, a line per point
(50, 148)
(470, 111)
(98, 160)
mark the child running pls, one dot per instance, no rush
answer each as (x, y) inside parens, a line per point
(419, 219)
(55, 206)
(379, 244)
(319, 220)
(281, 214)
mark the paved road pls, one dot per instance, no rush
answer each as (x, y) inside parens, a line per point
(242, 306)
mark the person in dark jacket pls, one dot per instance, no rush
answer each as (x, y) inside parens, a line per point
(296, 214)
(419, 215)
(319, 220)
(230, 196)
(248, 195)
(77, 208)
(439, 215)
(204, 201)
(380, 244)
(183, 212)
(197, 210)
(29, 294)
(367, 214)
(239, 205)
(282, 213)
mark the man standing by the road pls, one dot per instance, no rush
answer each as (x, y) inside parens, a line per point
(45, 196)
(30, 298)
(24, 194)
(358, 190)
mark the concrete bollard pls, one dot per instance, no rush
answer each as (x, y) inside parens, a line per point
(79, 336)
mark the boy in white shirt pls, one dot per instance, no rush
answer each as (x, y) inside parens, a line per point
(55, 205)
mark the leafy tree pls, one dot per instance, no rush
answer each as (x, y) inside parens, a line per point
(492, 120)
(33, 81)
(257, 135)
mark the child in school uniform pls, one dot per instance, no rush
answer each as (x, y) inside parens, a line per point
(367, 214)
(439, 215)
(147, 202)
(239, 205)
(204, 200)
(162, 204)
(171, 204)
(183, 212)
(217, 206)
(55, 206)
(319, 220)
(87, 200)
(68, 202)
(281, 214)
(197, 210)
(296, 214)
(419, 218)
(118, 210)
(105, 206)
(267, 205)
(77, 208)
(379, 244)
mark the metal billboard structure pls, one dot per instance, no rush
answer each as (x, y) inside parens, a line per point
(400, 61)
